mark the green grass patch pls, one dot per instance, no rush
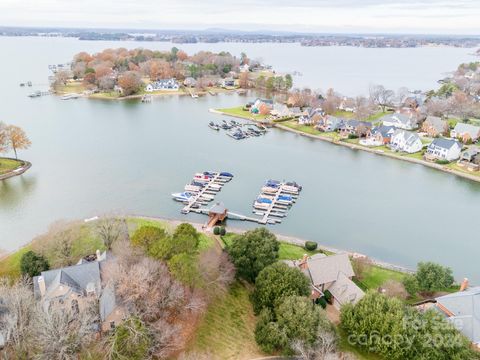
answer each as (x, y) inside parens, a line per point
(72, 87)
(227, 329)
(376, 276)
(7, 165)
(240, 112)
(10, 266)
(293, 252)
(293, 124)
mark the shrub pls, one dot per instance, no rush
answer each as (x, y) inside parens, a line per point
(223, 232)
(322, 302)
(183, 267)
(216, 230)
(311, 245)
(442, 162)
(352, 136)
(295, 319)
(185, 239)
(432, 277)
(148, 235)
(130, 340)
(411, 285)
(252, 252)
(32, 264)
(328, 296)
(276, 282)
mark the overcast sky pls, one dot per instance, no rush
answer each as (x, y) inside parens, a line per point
(399, 16)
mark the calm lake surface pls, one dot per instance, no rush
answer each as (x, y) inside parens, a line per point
(92, 156)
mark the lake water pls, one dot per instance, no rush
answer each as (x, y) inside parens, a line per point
(92, 156)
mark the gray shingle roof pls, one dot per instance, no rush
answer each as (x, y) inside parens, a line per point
(465, 305)
(345, 290)
(471, 130)
(324, 270)
(77, 277)
(437, 123)
(444, 143)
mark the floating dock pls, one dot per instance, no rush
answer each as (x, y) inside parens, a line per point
(273, 203)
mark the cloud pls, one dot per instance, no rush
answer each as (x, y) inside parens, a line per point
(300, 15)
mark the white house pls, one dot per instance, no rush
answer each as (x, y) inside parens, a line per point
(400, 121)
(406, 141)
(444, 149)
(163, 84)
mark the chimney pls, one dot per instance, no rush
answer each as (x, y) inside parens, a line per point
(98, 254)
(303, 263)
(41, 285)
(464, 285)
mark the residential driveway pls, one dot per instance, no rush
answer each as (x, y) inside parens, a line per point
(333, 314)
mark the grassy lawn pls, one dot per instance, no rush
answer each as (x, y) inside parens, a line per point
(238, 111)
(376, 276)
(227, 329)
(10, 266)
(454, 166)
(72, 87)
(293, 124)
(7, 165)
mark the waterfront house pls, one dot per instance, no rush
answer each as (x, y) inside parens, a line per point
(260, 104)
(333, 273)
(466, 132)
(462, 309)
(311, 116)
(356, 128)
(163, 84)
(378, 136)
(280, 110)
(443, 149)
(435, 126)
(80, 285)
(330, 123)
(405, 141)
(400, 121)
(470, 159)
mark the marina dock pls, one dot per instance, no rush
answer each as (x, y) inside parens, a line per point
(273, 203)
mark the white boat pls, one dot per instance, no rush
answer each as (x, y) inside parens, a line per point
(192, 188)
(183, 196)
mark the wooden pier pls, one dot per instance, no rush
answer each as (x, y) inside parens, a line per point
(271, 212)
(208, 191)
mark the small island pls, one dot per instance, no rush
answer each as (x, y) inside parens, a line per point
(122, 74)
(12, 138)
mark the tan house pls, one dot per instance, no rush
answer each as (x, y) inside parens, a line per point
(77, 286)
(333, 273)
(435, 126)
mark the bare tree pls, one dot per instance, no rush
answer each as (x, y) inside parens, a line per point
(16, 312)
(57, 243)
(395, 289)
(146, 288)
(324, 348)
(110, 229)
(381, 96)
(363, 108)
(61, 332)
